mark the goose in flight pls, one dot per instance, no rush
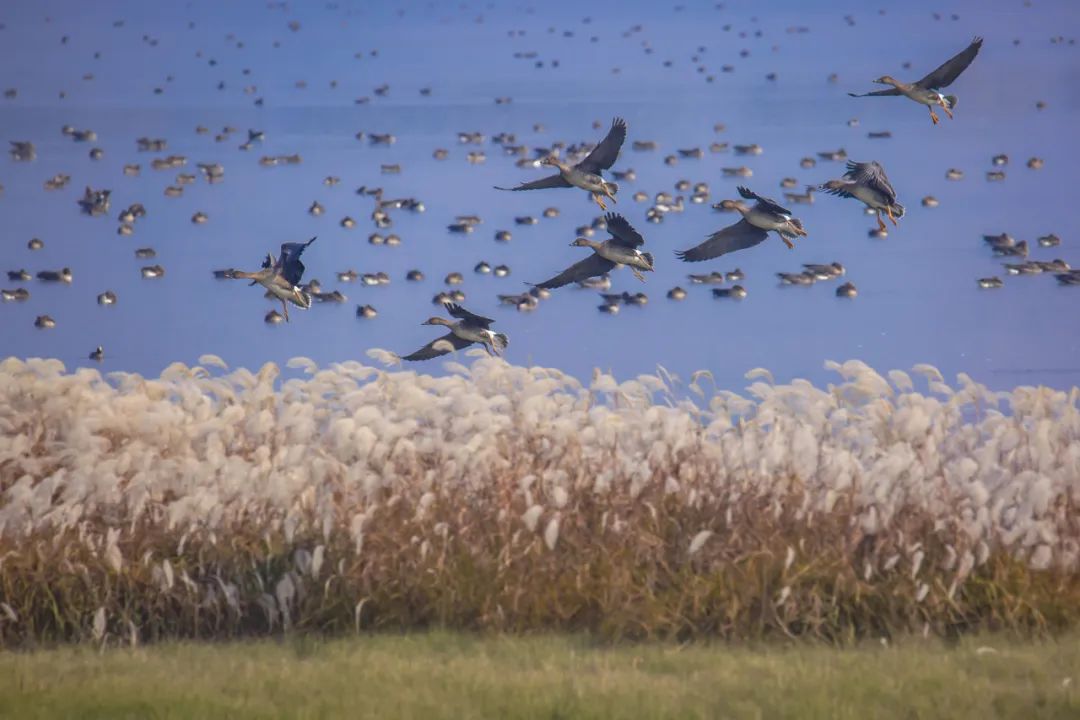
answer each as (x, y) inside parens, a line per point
(764, 216)
(587, 173)
(620, 249)
(281, 277)
(927, 91)
(469, 329)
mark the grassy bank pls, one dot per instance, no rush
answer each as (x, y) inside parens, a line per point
(461, 676)
(518, 500)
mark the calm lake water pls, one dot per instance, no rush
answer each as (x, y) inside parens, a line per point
(918, 298)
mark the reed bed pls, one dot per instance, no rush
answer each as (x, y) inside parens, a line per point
(210, 503)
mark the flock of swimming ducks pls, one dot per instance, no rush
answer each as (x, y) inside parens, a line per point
(281, 277)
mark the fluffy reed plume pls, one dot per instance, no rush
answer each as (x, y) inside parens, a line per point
(209, 503)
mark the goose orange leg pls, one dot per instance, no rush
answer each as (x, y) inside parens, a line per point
(880, 223)
(599, 201)
(947, 111)
(888, 211)
(933, 116)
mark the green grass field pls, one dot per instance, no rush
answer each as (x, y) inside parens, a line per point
(441, 675)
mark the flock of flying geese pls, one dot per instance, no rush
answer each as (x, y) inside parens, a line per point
(282, 277)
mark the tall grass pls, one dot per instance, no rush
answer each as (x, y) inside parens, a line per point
(207, 503)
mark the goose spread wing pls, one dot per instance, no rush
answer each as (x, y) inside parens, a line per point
(740, 236)
(951, 68)
(582, 270)
(430, 350)
(604, 155)
(622, 231)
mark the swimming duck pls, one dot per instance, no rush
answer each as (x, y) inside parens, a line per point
(806, 198)
(525, 302)
(281, 277)
(995, 175)
(601, 282)
(469, 329)
(999, 160)
(365, 311)
(833, 155)
(626, 298)
(97, 354)
(742, 171)
(18, 275)
(63, 275)
(954, 174)
(153, 271)
(44, 322)
(106, 298)
(373, 279)
(927, 90)
(273, 318)
(349, 275)
(990, 283)
(35, 244)
(609, 308)
(766, 215)
(736, 292)
(825, 272)
(847, 290)
(587, 173)
(713, 278)
(503, 236)
(501, 270)
(620, 249)
(482, 268)
(752, 149)
(802, 278)
(1024, 268)
(1020, 249)
(335, 296)
(676, 293)
(16, 295)
(414, 276)
(1050, 240)
(315, 208)
(735, 275)
(199, 218)
(868, 183)
(1036, 163)
(454, 278)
